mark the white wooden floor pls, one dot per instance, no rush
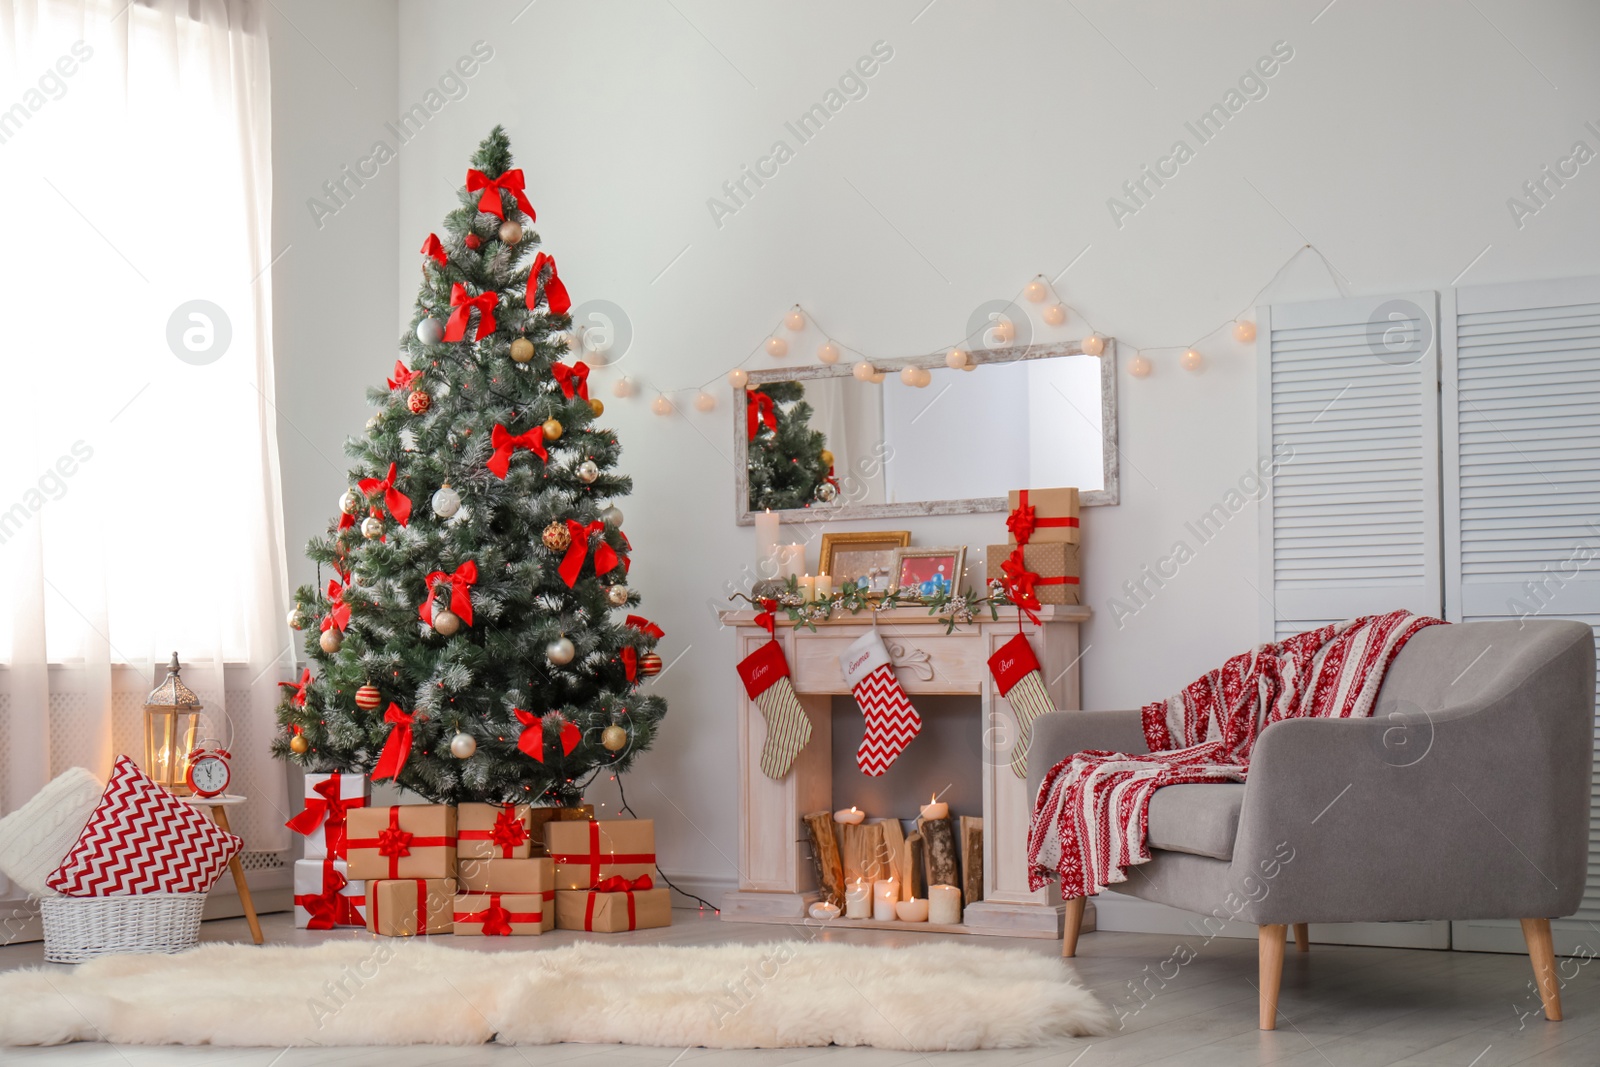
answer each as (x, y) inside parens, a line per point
(1345, 1007)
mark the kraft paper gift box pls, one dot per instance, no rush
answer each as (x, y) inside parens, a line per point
(408, 906)
(535, 875)
(542, 817)
(611, 913)
(1055, 567)
(587, 853)
(504, 914)
(494, 831)
(325, 897)
(1053, 518)
(403, 841)
(329, 798)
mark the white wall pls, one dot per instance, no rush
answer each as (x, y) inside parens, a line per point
(984, 152)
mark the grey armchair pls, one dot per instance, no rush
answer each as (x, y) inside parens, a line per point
(1465, 796)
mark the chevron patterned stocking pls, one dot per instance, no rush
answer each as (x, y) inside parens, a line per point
(891, 720)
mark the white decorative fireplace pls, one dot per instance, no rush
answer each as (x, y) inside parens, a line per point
(777, 879)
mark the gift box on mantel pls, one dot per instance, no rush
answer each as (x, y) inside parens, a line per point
(504, 914)
(408, 906)
(325, 896)
(1042, 516)
(494, 831)
(587, 853)
(615, 905)
(329, 798)
(1049, 570)
(403, 841)
(533, 875)
(539, 818)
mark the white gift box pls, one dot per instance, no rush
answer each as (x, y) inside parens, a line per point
(352, 790)
(316, 883)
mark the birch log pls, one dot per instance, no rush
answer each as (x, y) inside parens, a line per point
(971, 859)
(894, 846)
(861, 848)
(940, 865)
(825, 850)
(913, 865)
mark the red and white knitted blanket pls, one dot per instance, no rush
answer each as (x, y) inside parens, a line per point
(1092, 813)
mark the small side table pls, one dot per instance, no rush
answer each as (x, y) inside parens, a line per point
(218, 807)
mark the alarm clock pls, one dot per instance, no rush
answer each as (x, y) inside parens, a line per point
(209, 773)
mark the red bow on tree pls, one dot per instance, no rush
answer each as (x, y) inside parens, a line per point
(460, 595)
(618, 884)
(767, 620)
(630, 662)
(1018, 584)
(531, 742)
(574, 380)
(403, 377)
(644, 626)
(758, 409)
(397, 749)
(456, 328)
(504, 444)
(398, 503)
(605, 557)
(299, 688)
(338, 610)
(511, 181)
(555, 292)
(432, 247)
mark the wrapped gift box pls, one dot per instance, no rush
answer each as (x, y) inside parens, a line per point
(1053, 518)
(587, 853)
(325, 896)
(408, 906)
(611, 913)
(539, 818)
(403, 841)
(535, 875)
(1056, 567)
(329, 797)
(504, 914)
(494, 831)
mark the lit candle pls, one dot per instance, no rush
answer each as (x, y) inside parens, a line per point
(885, 894)
(944, 904)
(852, 817)
(935, 809)
(808, 587)
(766, 544)
(914, 910)
(824, 910)
(824, 586)
(857, 900)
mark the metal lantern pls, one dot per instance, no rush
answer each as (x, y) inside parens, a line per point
(171, 717)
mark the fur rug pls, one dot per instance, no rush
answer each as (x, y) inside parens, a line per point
(394, 991)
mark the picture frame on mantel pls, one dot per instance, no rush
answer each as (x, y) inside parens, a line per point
(862, 554)
(930, 571)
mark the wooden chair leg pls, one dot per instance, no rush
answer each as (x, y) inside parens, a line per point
(1272, 938)
(1542, 953)
(1302, 937)
(1074, 919)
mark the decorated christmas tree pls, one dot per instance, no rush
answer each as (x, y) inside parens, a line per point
(789, 467)
(475, 640)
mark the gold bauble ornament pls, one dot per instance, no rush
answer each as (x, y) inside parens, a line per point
(614, 738)
(510, 232)
(332, 640)
(596, 406)
(462, 746)
(552, 429)
(827, 458)
(445, 622)
(299, 745)
(617, 595)
(522, 350)
(556, 537)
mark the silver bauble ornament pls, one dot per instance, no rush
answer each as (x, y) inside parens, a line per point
(510, 232)
(297, 618)
(588, 471)
(332, 640)
(617, 595)
(560, 651)
(430, 331)
(826, 492)
(446, 501)
(613, 516)
(462, 746)
(350, 503)
(372, 423)
(445, 621)
(371, 527)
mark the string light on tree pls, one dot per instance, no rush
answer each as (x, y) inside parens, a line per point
(777, 347)
(795, 320)
(828, 353)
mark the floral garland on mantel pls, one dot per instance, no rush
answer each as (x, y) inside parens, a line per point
(951, 608)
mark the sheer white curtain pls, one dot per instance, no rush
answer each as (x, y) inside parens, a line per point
(139, 490)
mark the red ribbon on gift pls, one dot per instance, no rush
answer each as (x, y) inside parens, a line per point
(393, 842)
(507, 833)
(616, 884)
(422, 906)
(1019, 582)
(1024, 519)
(605, 557)
(402, 377)
(299, 698)
(505, 443)
(398, 503)
(511, 182)
(397, 749)
(574, 380)
(460, 594)
(456, 328)
(497, 920)
(556, 297)
(330, 907)
(338, 610)
(758, 409)
(329, 811)
(594, 857)
(432, 247)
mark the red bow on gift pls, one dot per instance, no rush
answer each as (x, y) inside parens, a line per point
(432, 247)
(330, 908)
(618, 884)
(465, 576)
(456, 328)
(644, 626)
(328, 809)
(758, 409)
(555, 292)
(338, 610)
(398, 503)
(508, 831)
(496, 919)
(402, 377)
(504, 444)
(574, 380)
(299, 688)
(397, 749)
(511, 181)
(1018, 584)
(1021, 523)
(531, 742)
(605, 557)
(766, 619)
(394, 842)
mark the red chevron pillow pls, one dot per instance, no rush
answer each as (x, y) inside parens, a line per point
(142, 839)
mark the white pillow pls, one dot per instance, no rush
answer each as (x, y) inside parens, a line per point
(37, 836)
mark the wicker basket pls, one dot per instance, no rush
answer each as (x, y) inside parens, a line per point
(82, 928)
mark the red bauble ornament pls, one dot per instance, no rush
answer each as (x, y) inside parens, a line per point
(649, 664)
(472, 241)
(419, 402)
(368, 697)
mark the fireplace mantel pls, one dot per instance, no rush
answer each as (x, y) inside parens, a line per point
(777, 880)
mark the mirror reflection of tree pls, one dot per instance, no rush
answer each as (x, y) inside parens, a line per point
(789, 463)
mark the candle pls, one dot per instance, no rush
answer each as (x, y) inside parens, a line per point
(852, 817)
(824, 586)
(808, 587)
(944, 904)
(935, 809)
(857, 900)
(824, 910)
(885, 894)
(766, 544)
(914, 910)
(792, 560)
